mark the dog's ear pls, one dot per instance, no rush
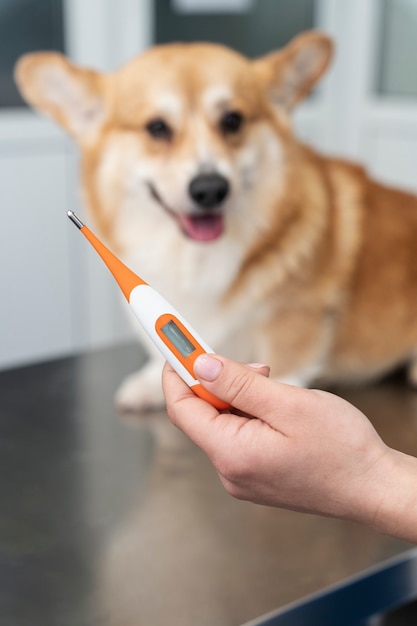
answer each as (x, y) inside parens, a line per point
(291, 73)
(72, 96)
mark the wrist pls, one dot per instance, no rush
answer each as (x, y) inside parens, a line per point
(394, 510)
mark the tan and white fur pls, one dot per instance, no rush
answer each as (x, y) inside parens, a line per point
(274, 253)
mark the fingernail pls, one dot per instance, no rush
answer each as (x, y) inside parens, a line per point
(207, 367)
(257, 366)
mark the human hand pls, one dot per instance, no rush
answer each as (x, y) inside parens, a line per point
(302, 449)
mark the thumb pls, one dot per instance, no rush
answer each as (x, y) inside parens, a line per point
(238, 384)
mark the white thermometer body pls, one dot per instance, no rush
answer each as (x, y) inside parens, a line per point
(179, 343)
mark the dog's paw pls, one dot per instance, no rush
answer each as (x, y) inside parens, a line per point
(140, 392)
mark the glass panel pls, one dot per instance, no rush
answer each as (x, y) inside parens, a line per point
(25, 26)
(397, 72)
(259, 27)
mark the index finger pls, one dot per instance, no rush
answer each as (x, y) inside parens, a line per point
(184, 408)
(198, 419)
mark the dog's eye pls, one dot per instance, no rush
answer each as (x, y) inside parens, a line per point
(159, 129)
(231, 122)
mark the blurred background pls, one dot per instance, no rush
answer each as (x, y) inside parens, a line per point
(55, 296)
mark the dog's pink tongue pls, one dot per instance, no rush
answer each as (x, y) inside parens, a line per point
(203, 227)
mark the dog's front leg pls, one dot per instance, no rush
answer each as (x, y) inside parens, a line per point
(142, 391)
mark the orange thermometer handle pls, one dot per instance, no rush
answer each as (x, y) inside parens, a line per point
(179, 343)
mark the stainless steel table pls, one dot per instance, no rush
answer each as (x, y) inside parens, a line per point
(108, 521)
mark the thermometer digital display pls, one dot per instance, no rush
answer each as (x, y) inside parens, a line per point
(177, 338)
(170, 332)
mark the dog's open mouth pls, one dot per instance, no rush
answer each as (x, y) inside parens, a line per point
(205, 227)
(200, 227)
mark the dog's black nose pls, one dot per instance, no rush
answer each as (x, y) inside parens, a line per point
(209, 190)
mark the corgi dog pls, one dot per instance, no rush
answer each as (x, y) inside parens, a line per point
(274, 253)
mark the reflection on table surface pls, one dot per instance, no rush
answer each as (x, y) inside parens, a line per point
(109, 521)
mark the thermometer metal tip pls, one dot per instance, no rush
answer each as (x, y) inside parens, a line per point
(75, 219)
(126, 279)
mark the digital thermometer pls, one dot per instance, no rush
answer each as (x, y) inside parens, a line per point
(169, 331)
